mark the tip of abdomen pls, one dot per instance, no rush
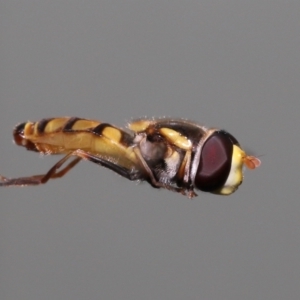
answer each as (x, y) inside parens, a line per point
(20, 138)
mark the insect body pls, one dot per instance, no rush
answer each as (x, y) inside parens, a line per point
(174, 154)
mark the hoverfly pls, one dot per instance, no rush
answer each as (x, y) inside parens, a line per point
(174, 154)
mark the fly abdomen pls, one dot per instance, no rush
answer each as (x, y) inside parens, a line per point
(61, 135)
(47, 135)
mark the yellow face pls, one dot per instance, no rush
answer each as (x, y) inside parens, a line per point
(235, 178)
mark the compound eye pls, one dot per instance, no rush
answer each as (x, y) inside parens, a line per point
(215, 161)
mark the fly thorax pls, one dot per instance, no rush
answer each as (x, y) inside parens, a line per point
(152, 152)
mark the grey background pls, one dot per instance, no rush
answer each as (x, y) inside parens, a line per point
(94, 235)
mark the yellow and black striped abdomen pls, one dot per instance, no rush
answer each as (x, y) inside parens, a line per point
(45, 136)
(62, 135)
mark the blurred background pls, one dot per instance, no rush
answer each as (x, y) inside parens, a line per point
(94, 235)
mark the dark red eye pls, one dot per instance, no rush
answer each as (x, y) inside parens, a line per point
(215, 161)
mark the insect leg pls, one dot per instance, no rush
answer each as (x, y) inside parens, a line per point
(143, 173)
(153, 180)
(40, 179)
